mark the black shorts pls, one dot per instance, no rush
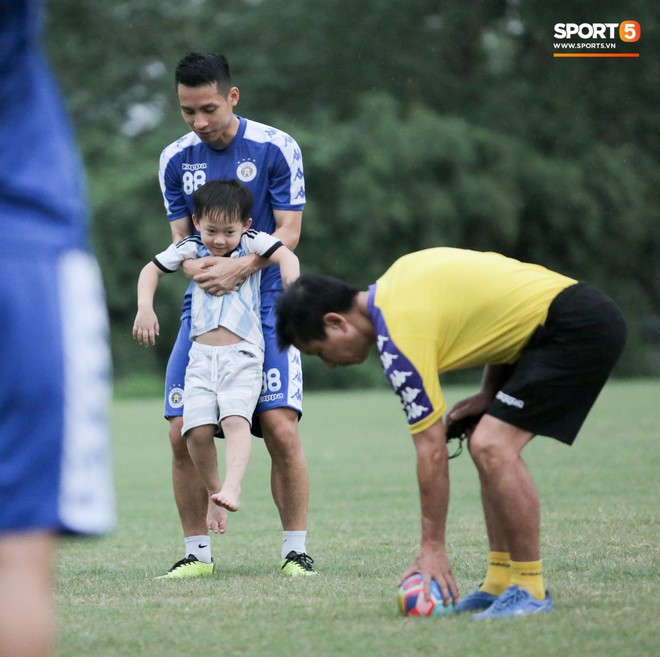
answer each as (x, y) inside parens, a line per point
(551, 388)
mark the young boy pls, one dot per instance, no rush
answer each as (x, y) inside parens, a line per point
(224, 373)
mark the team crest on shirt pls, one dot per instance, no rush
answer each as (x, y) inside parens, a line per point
(175, 397)
(246, 170)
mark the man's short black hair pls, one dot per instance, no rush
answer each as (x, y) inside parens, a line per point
(302, 306)
(198, 69)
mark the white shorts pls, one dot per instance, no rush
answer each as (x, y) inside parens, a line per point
(221, 381)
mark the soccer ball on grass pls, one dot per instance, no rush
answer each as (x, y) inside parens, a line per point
(413, 602)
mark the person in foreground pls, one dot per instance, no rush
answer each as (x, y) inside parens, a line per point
(220, 146)
(55, 472)
(223, 377)
(547, 343)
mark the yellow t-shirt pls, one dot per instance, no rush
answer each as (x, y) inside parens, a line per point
(445, 309)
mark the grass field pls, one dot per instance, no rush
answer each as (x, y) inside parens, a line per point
(601, 545)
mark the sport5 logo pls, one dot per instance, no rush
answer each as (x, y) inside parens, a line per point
(628, 31)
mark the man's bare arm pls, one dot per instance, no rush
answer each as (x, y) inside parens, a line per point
(433, 479)
(492, 378)
(181, 228)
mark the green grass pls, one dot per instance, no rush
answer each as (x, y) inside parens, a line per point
(600, 544)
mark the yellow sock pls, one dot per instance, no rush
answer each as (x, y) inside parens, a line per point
(498, 574)
(528, 575)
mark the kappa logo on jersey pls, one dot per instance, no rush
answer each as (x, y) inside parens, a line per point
(175, 397)
(246, 170)
(405, 382)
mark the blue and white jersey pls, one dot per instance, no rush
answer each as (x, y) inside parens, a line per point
(41, 184)
(55, 463)
(265, 159)
(237, 311)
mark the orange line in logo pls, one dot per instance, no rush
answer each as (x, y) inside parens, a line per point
(628, 54)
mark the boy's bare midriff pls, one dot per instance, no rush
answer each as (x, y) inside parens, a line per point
(217, 337)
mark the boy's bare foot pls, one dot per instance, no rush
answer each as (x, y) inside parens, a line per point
(227, 498)
(216, 518)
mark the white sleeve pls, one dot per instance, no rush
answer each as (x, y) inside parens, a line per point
(261, 243)
(170, 259)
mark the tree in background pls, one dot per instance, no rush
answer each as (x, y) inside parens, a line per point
(422, 123)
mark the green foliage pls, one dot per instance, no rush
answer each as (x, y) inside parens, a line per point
(421, 123)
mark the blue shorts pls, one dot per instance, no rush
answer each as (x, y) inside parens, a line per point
(54, 396)
(282, 382)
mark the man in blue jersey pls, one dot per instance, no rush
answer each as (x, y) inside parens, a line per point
(223, 145)
(54, 371)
